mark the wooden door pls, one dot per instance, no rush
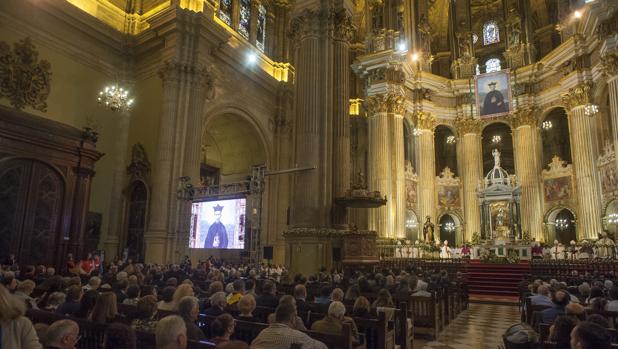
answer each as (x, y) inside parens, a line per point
(138, 201)
(31, 206)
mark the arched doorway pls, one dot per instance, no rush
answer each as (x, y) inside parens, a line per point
(450, 225)
(610, 219)
(560, 224)
(412, 226)
(136, 219)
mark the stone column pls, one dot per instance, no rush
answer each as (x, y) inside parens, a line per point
(308, 208)
(379, 163)
(610, 70)
(156, 235)
(116, 202)
(469, 130)
(528, 171)
(342, 35)
(426, 123)
(399, 183)
(584, 161)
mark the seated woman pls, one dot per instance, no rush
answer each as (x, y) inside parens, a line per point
(246, 306)
(167, 296)
(298, 323)
(132, 295)
(86, 304)
(54, 300)
(105, 309)
(146, 314)
(221, 329)
(362, 308)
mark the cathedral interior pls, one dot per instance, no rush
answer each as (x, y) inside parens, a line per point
(345, 124)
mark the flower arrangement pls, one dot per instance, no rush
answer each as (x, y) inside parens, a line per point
(476, 238)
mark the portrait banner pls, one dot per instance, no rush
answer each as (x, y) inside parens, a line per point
(493, 94)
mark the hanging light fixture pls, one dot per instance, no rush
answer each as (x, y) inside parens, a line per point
(591, 109)
(417, 132)
(562, 223)
(115, 97)
(612, 218)
(496, 139)
(450, 139)
(449, 226)
(546, 125)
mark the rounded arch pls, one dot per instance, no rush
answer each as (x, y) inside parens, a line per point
(497, 135)
(50, 165)
(233, 140)
(555, 136)
(549, 220)
(445, 148)
(453, 237)
(137, 207)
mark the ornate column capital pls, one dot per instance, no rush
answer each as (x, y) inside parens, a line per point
(609, 64)
(577, 96)
(342, 28)
(424, 120)
(468, 125)
(525, 116)
(385, 103)
(305, 24)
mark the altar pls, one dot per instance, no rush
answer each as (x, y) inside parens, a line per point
(499, 198)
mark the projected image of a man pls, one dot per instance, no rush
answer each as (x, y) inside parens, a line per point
(217, 235)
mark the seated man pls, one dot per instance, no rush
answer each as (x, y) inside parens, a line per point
(189, 309)
(280, 335)
(542, 296)
(560, 301)
(268, 298)
(333, 322)
(300, 294)
(171, 333)
(63, 334)
(218, 302)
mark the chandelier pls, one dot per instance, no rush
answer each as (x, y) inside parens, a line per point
(546, 125)
(411, 223)
(449, 226)
(591, 109)
(562, 223)
(115, 98)
(496, 139)
(612, 218)
(450, 140)
(417, 132)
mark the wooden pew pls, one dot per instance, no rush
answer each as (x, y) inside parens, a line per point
(426, 314)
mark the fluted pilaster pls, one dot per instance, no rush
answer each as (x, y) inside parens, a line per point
(399, 184)
(426, 124)
(342, 34)
(584, 161)
(307, 209)
(528, 170)
(610, 69)
(469, 131)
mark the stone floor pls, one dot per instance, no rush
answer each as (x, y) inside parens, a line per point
(479, 327)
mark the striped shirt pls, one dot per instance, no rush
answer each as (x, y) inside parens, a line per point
(281, 336)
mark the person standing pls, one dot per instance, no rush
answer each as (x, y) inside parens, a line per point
(217, 234)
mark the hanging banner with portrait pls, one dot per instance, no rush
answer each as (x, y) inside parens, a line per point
(493, 94)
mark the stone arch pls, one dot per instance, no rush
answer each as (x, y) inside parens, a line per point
(549, 222)
(455, 237)
(505, 146)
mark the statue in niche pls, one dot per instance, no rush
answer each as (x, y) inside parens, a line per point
(465, 46)
(428, 229)
(500, 217)
(424, 30)
(514, 36)
(496, 155)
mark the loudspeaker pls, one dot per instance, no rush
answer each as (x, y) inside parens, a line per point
(268, 252)
(336, 254)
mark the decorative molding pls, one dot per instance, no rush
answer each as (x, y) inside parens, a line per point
(447, 177)
(577, 96)
(304, 25)
(24, 80)
(609, 64)
(342, 28)
(386, 103)
(525, 116)
(140, 166)
(557, 168)
(607, 27)
(424, 120)
(608, 156)
(468, 125)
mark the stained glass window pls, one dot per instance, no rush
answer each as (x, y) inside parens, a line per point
(492, 64)
(225, 11)
(491, 33)
(245, 18)
(261, 28)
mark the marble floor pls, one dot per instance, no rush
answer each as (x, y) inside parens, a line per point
(479, 327)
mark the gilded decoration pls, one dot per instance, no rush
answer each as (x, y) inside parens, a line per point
(607, 172)
(526, 116)
(609, 64)
(577, 96)
(448, 189)
(424, 120)
(608, 27)
(558, 181)
(411, 186)
(468, 125)
(24, 80)
(386, 103)
(343, 30)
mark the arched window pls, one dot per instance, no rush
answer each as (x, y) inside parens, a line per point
(244, 24)
(491, 33)
(225, 11)
(492, 64)
(261, 28)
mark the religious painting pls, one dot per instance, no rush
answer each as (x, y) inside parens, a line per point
(448, 196)
(500, 219)
(493, 94)
(209, 175)
(557, 189)
(411, 194)
(609, 179)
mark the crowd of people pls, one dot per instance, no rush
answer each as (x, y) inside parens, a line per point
(226, 293)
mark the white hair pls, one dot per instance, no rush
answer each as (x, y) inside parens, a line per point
(168, 329)
(336, 309)
(218, 299)
(59, 330)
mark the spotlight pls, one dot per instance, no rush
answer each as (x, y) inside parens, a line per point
(577, 14)
(252, 58)
(402, 47)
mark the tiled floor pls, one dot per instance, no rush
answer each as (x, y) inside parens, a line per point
(479, 327)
